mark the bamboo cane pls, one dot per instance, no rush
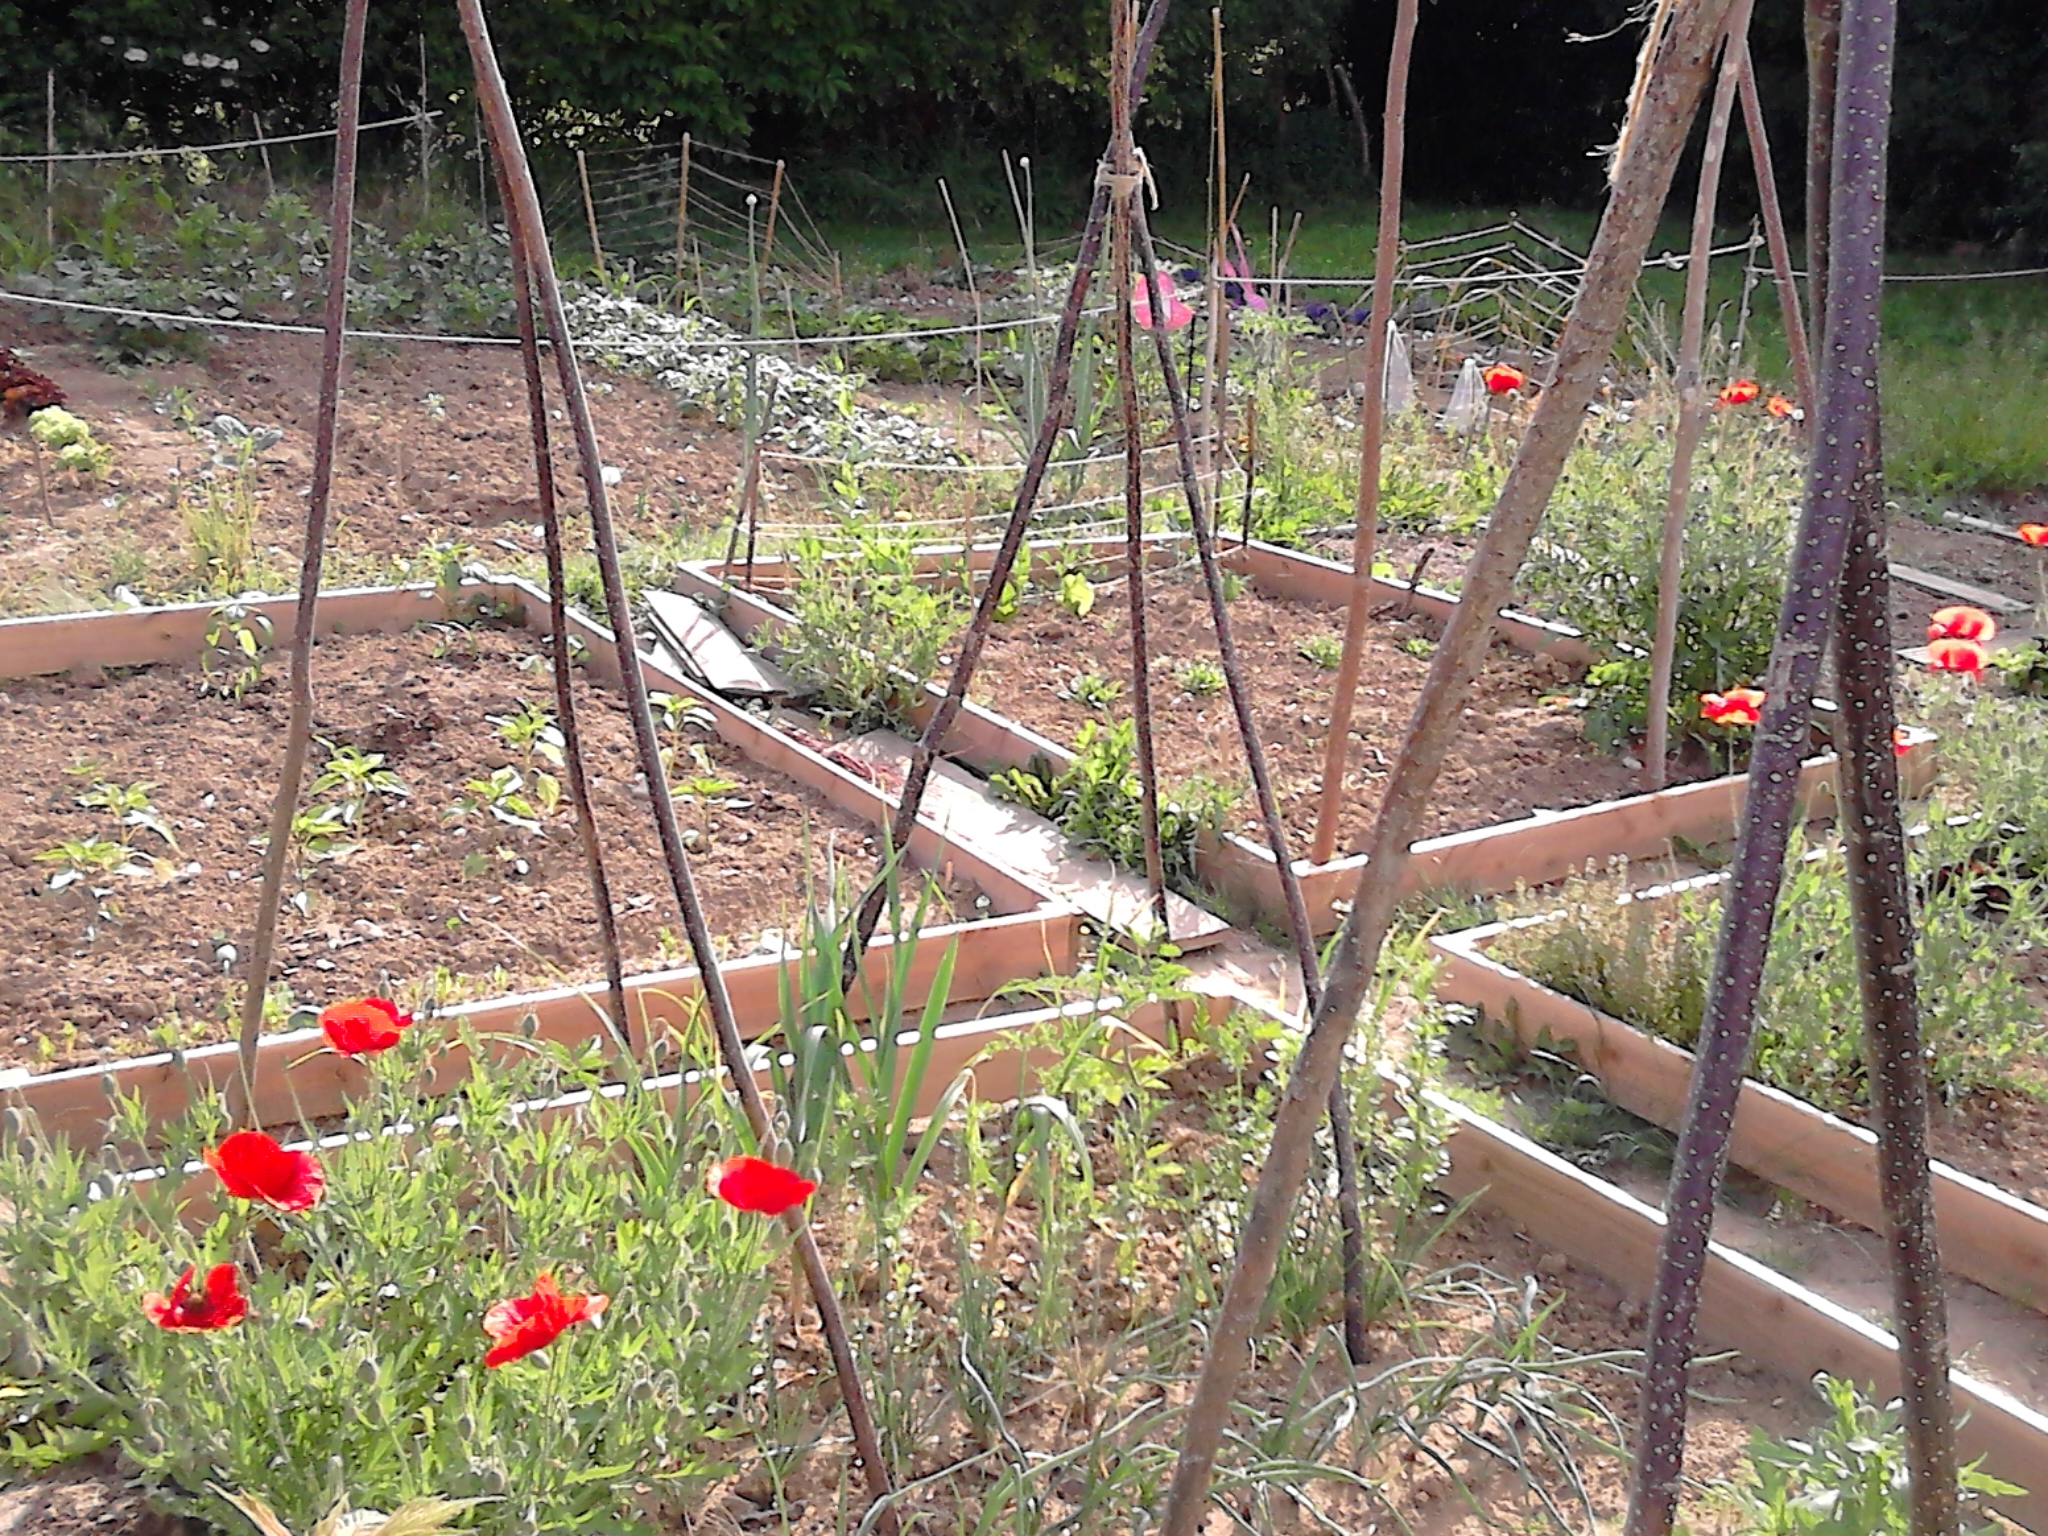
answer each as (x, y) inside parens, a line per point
(524, 216)
(1692, 404)
(1843, 453)
(590, 212)
(774, 212)
(1671, 92)
(1372, 417)
(299, 724)
(683, 210)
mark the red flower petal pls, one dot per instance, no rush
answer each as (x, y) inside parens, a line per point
(1951, 654)
(2035, 534)
(1740, 391)
(519, 1325)
(1738, 706)
(222, 1306)
(1961, 622)
(253, 1167)
(363, 1027)
(1779, 406)
(755, 1184)
(1901, 742)
(1502, 379)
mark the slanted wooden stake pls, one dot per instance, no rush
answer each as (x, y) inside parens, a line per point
(1692, 404)
(1823, 52)
(574, 768)
(299, 724)
(774, 211)
(1121, 174)
(1372, 419)
(1670, 95)
(527, 229)
(590, 211)
(1351, 1217)
(1841, 490)
(975, 639)
(1774, 236)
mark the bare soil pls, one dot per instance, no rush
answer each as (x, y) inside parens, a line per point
(482, 905)
(1520, 746)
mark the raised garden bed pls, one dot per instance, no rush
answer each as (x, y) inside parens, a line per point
(1990, 1234)
(423, 698)
(1520, 758)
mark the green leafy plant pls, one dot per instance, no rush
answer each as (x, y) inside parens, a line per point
(1098, 804)
(871, 628)
(1592, 567)
(88, 859)
(1201, 678)
(322, 833)
(503, 795)
(220, 510)
(77, 450)
(359, 779)
(1847, 1478)
(1077, 594)
(130, 806)
(532, 733)
(1094, 690)
(1326, 651)
(238, 636)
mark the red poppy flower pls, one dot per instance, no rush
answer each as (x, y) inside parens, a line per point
(222, 1305)
(519, 1325)
(1955, 655)
(1901, 742)
(1740, 392)
(253, 1167)
(1738, 706)
(1779, 406)
(1962, 623)
(2035, 534)
(1502, 379)
(363, 1027)
(755, 1184)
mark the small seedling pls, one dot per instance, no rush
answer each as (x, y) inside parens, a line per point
(89, 858)
(1094, 690)
(1419, 646)
(130, 806)
(1324, 650)
(1202, 678)
(702, 788)
(321, 833)
(504, 796)
(231, 653)
(77, 450)
(1077, 594)
(532, 733)
(357, 777)
(1234, 585)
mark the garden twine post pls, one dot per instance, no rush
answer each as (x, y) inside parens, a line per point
(1350, 1214)
(1692, 402)
(1123, 175)
(528, 230)
(1844, 456)
(573, 766)
(1669, 96)
(299, 723)
(1372, 417)
(975, 638)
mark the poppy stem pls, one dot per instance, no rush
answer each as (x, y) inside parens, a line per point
(1124, 194)
(523, 215)
(299, 724)
(974, 639)
(1351, 1217)
(1372, 421)
(1692, 404)
(1670, 93)
(1840, 477)
(573, 768)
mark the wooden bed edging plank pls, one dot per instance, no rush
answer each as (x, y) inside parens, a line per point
(1988, 1235)
(295, 1080)
(1743, 1304)
(1532, 851)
